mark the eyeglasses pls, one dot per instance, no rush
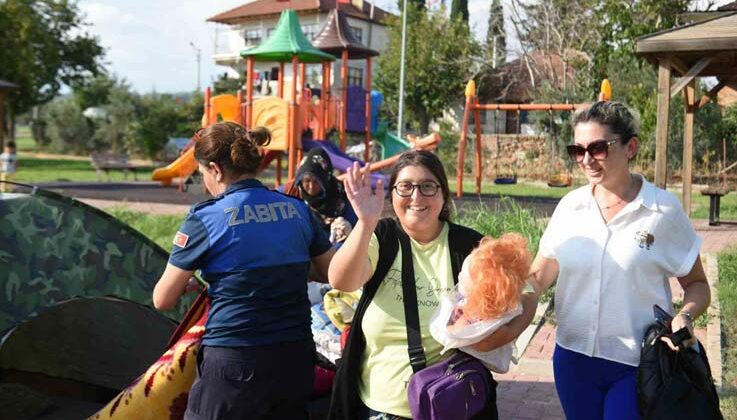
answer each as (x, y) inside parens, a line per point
(598, 150)
(427, 188)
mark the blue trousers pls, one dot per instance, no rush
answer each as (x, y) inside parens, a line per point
(270, 382)
(591, 388)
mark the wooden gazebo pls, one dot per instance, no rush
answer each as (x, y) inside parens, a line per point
(5, 87)
(336, 38)
(703, 49)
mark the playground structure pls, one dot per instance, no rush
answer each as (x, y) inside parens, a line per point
(294, 110)
(472, 105)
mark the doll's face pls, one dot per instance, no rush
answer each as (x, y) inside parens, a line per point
(464, 277)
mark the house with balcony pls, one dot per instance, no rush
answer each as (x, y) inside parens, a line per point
(250, 24)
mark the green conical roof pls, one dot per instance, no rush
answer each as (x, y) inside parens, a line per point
(286, 41)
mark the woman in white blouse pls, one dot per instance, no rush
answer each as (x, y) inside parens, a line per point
(612, 245)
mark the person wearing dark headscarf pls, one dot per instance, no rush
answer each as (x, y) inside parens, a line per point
(318, 187)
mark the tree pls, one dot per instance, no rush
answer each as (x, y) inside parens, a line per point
(437, 65)
(459, 10)
(114, 131)
(44, 46)
(226, 84)
(95, 91)
(496, 38)
(67, 130)
(164, 116)
(558, 38)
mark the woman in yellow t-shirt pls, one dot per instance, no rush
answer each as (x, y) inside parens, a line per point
(373, 376)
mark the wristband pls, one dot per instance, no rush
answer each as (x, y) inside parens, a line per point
(687, 314)
(528, 289)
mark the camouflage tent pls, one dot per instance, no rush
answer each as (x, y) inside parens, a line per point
(75, 355)
(54, 248)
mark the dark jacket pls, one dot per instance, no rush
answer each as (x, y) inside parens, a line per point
(674, 385)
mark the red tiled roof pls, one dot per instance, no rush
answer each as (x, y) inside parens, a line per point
(512, 82)
(728, 7)
(262, 8)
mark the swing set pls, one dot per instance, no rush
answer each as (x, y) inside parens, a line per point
(510, 176)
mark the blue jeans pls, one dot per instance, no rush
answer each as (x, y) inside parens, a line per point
(591, 388)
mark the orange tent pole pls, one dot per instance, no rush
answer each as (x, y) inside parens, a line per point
(302, 75)
(292, 123)
(470, 91)
(249, 92)
(280, 81)
(477, 121)
(344, 98)
(367, 138)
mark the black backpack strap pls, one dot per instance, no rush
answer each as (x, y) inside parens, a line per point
(411, 312)
(462, 241)
(386, 234)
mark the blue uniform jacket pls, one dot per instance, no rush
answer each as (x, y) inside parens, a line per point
(253, 246)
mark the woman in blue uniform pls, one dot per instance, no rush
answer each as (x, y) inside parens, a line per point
(255, 248)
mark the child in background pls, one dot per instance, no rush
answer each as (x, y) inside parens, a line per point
(8, 165)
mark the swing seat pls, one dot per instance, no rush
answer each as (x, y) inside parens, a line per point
(560, 181)
(506, 180)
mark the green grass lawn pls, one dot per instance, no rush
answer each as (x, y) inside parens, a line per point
(24, 140)
(159, 228)
(34, 169)
(728, 302)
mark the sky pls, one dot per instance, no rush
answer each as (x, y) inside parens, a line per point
(148, 42)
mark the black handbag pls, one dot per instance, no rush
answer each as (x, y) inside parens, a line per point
(674, 384)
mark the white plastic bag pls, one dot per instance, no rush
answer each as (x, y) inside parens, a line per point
(496, 360)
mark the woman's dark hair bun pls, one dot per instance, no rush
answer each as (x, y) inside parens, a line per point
(260, 136)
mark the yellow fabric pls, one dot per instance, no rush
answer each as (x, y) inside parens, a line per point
(341, 306)
(161, 392)
(386, 369)
(5, 177)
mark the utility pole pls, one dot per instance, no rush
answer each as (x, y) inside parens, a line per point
(199, 57)
(401, 71)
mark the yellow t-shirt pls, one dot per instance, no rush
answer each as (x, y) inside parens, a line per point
(386, 369)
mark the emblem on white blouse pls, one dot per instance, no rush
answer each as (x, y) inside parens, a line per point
(644, 239)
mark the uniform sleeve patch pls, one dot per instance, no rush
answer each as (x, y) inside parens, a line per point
(181, 239)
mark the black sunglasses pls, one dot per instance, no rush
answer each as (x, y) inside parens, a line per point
(406, 188)
(598, 150)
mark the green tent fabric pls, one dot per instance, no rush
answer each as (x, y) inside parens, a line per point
(286, 41)
(54, 248)
(102, 341)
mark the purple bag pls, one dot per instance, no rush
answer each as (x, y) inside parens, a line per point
(456, 388)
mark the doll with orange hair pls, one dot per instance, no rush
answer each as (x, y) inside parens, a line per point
(488, 296)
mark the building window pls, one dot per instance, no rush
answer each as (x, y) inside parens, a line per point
(252, 36)
(310, 30)
(355, 76)
(269, 32)
(358, 32)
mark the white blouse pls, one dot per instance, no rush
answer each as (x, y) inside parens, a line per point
(611, 274)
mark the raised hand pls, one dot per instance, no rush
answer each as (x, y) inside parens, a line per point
(367, 204)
